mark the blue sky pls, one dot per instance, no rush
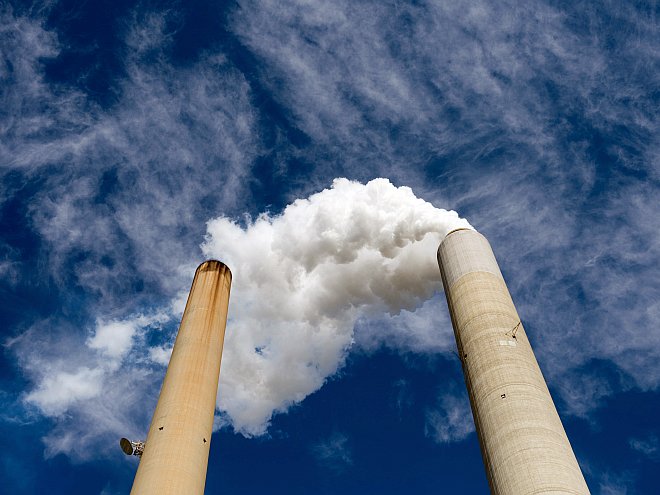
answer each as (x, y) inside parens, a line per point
(136, 138)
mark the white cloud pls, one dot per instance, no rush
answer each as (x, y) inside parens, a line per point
(426, 329)
(649, 446)
(451, 419)
(57, 392)
(334, 452)
(489, 91)
(544, 133)
(63, 380)
(123, 199)
(126, 184)
(160, 355)
(616, 483)
(94, 390)
(446, 77)
(10, 271)
(402, 396)
(301, 280)
(115, 338)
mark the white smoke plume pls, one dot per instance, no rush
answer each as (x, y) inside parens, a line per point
(303, 278)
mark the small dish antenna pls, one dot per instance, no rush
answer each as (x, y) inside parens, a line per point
(131, 448)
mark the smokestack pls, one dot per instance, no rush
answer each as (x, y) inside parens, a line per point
(523, 443)
(176, 451)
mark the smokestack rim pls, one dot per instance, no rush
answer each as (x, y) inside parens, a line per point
(208, 266)
(453, 231)
(458, 229)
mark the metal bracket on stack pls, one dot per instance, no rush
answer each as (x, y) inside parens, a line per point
(131, 448)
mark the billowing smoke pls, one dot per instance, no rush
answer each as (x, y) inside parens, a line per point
(303, 278)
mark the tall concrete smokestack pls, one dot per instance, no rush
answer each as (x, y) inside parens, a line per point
(523, 443)
(176, 451)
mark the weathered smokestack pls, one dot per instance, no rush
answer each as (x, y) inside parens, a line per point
(176, 451)
(523, 443)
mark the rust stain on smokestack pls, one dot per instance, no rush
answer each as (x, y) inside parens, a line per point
(176, 451)
(523, 443)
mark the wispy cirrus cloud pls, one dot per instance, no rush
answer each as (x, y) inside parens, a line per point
(126, 185)
(648, 446)
(116, 198)
(92, 387)
(536, 120)
(542, 132)
(450, 419)
(334, 452)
